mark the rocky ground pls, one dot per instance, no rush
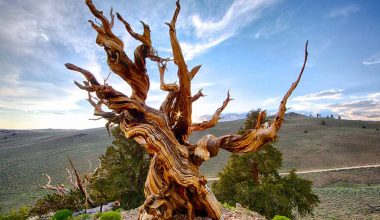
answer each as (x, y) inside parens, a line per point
(238, 213)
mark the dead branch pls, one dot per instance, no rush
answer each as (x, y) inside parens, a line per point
(215, 118)
(60, 189)
(253, 139)
(82, 185)
(194, 71)
(197, 96)
(112, 15)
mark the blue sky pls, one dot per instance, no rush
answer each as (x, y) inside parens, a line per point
(252, 47)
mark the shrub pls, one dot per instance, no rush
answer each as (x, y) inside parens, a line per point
(54, 202)
(110, 215)
(377, 129)
(305, 131)
(20, 214)
(62, 214)
(323, 122)
(363, 126)
(82, 217)
(280, 217)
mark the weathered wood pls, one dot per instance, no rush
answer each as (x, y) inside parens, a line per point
(174, 183)
(78, 183)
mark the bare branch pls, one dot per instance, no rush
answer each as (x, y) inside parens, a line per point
(194, 71)
(81, 185)
(253, 139)
(214, 120)
(145, 38)
(115, 100)
(260, 119)
(197, 96)
(112, 15)
(170, 87)
(60, 189)
(182, 102)
(106, 25)
(89, 76)
(83, 87)
(70, 179)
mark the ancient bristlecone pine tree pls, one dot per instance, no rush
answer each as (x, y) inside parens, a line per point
(174, 183)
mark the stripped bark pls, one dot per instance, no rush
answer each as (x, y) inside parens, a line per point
(174, 183)
(78, 183)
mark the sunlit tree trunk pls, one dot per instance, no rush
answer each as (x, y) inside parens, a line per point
(174, 183)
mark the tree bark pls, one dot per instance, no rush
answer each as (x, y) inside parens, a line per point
(174, 183)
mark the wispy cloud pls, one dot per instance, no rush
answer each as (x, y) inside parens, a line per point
(35, 36)
(280, 25)
(343, 11)
(374, 59)
(325, 94)
(271, 101)
(214, 32)
(191, 50)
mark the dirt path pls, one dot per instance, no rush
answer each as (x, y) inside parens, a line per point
(321, 170)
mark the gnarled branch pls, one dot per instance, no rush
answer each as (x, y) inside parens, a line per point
(60, 189)
(214, 120)
(253, 139)
(197, 95)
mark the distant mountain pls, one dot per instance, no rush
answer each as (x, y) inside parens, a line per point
(239, 116)
(225, 117)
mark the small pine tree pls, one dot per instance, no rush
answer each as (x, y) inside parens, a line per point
(270, 194)
(122, 173)
(121, 176)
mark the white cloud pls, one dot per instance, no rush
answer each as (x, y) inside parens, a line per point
(374, 59)
(278, 26)
(355, 107)
(213, 32)
(240, 13)
(191, 50)
(325, 94)
(343, 11)
(271, 101)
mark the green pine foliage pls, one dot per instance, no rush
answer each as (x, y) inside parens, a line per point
(110, 215)
(280, 217)
(122, 173)
(54, 201)
(272, 194)
(62, 214)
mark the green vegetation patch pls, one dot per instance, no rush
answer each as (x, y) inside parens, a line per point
(62, 214)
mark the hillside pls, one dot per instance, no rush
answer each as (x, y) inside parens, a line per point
(304, 142)
(27, 154)
(339, 143)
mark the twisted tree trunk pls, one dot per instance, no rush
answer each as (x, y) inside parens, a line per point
(174, 183)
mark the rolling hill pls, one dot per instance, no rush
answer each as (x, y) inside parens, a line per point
(304, 142)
